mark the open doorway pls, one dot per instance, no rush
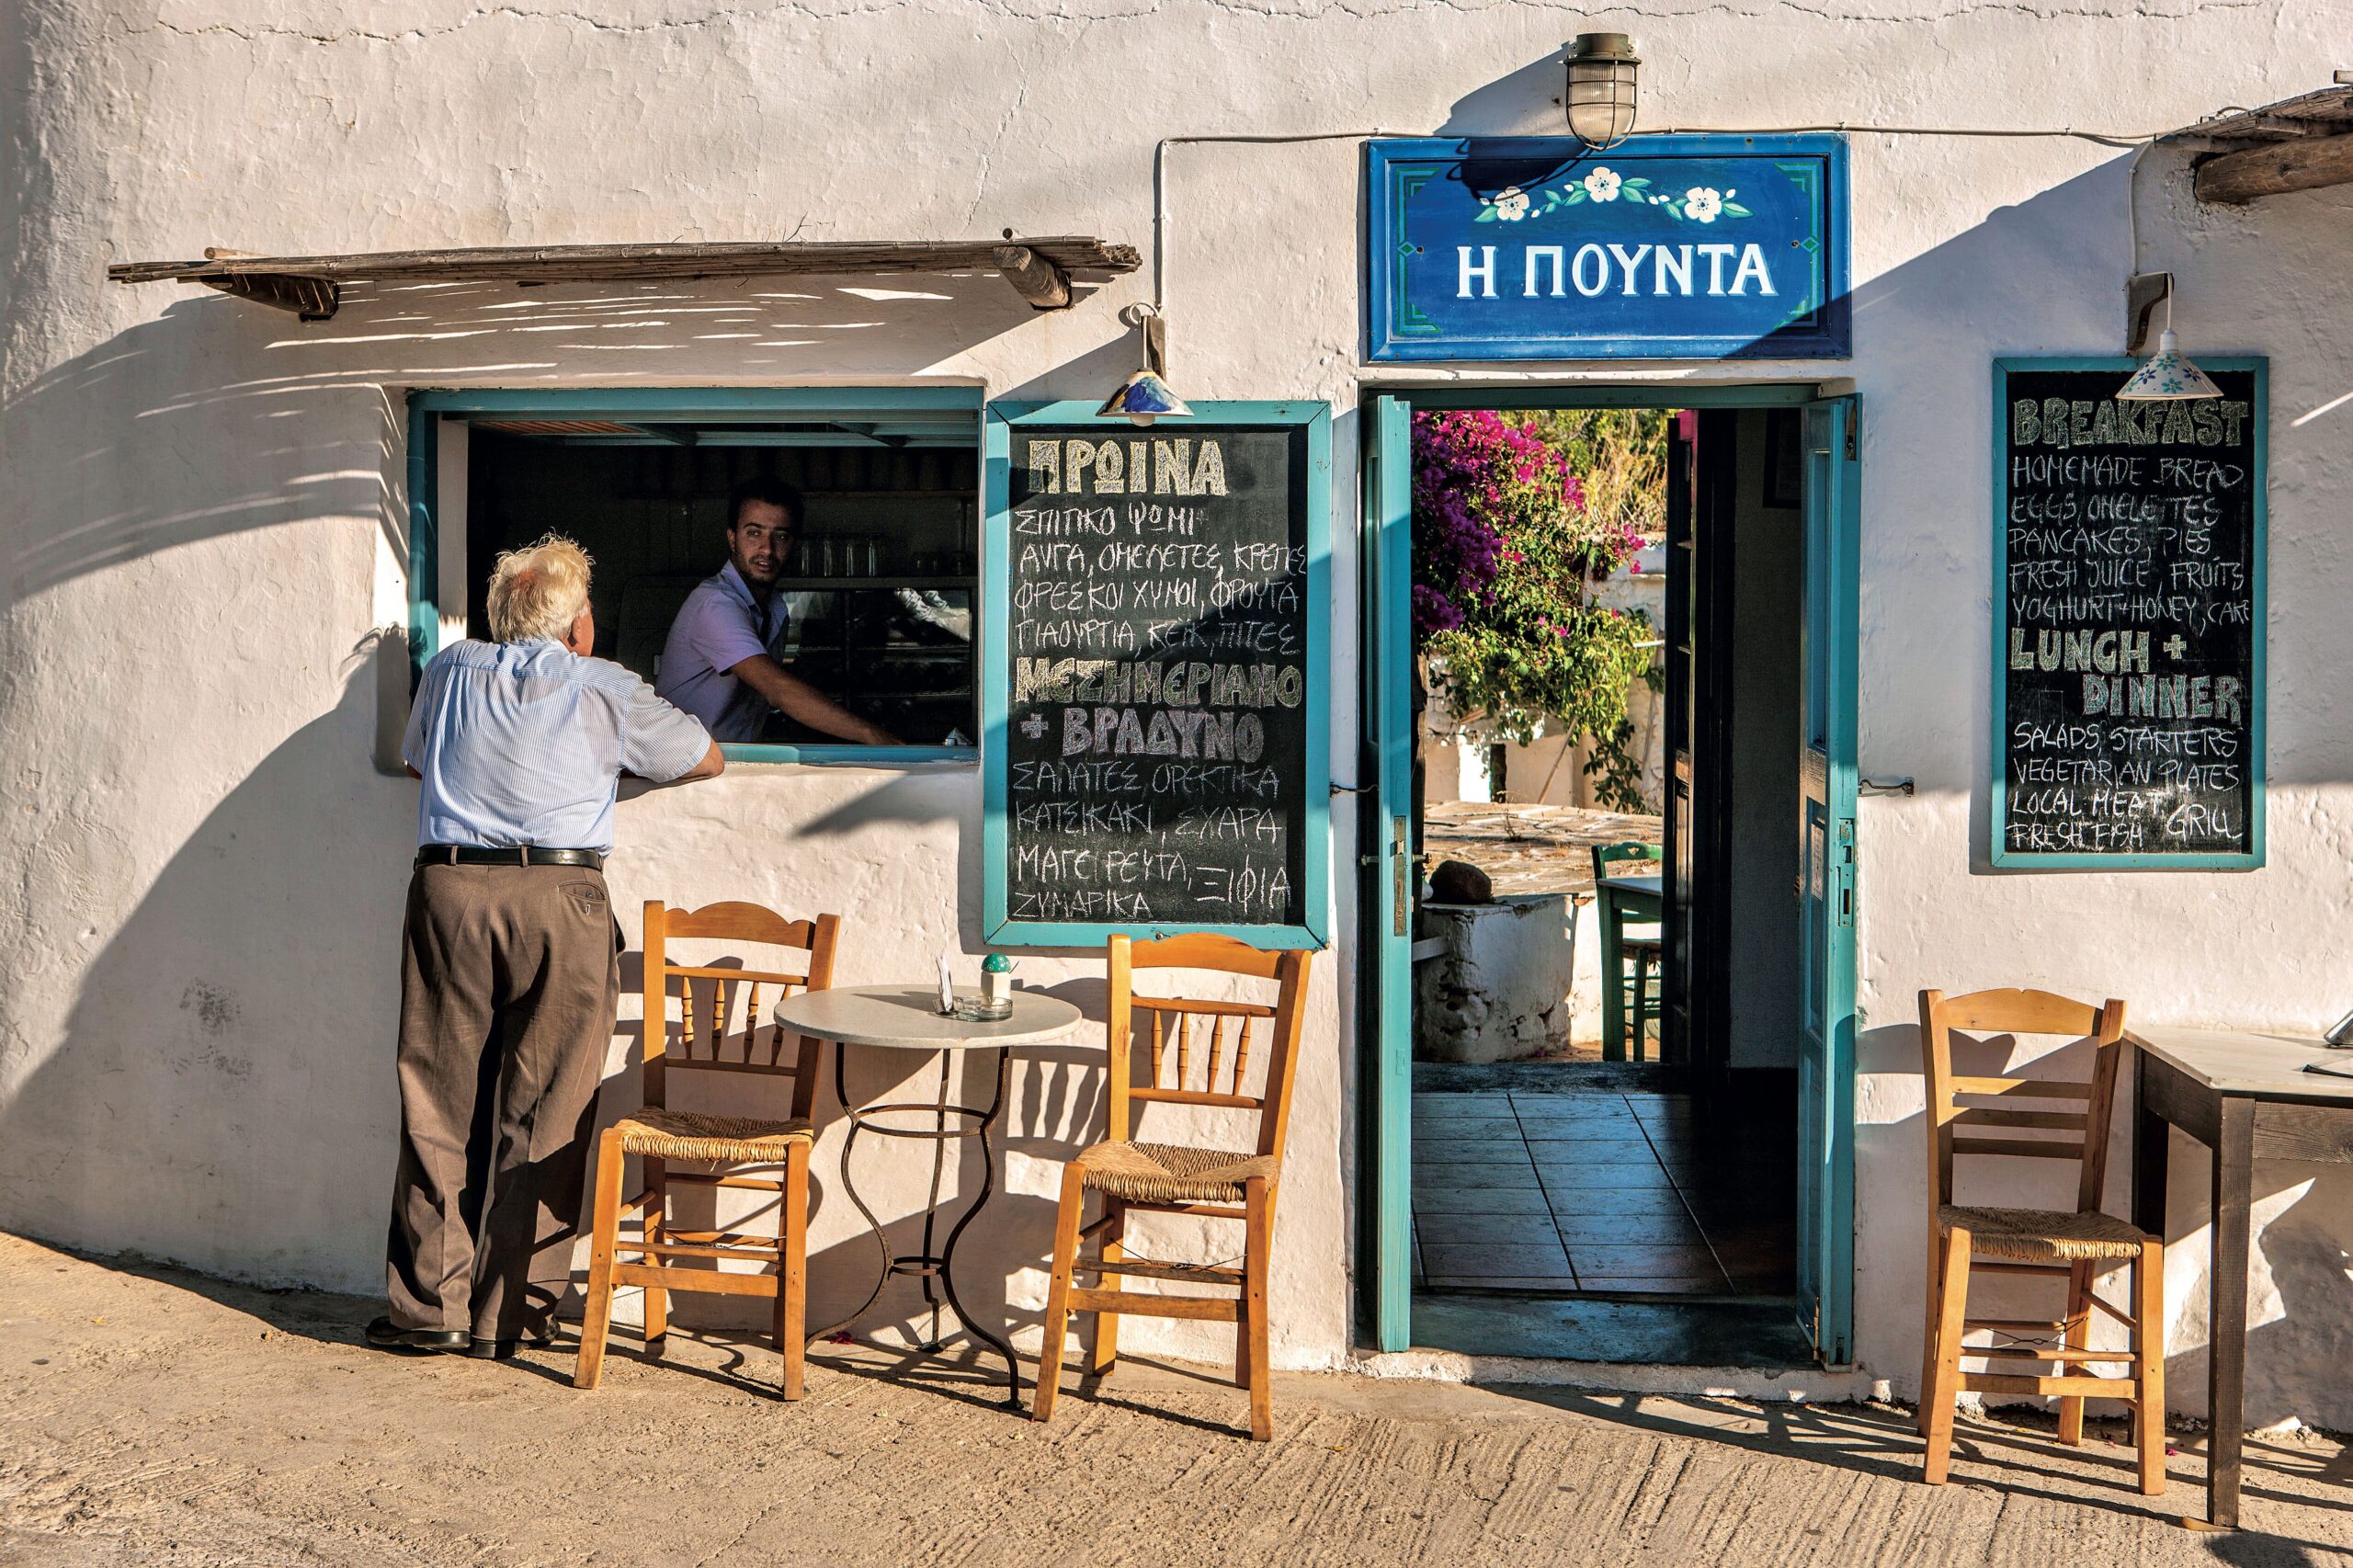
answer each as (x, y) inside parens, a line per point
(1611, 1122)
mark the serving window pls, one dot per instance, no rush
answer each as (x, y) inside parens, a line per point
(873, 604)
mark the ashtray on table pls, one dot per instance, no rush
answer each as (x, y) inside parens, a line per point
(973, 1010)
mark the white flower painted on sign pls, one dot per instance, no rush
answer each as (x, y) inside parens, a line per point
(1702, 203)
(1511, 204)
(1602, 185)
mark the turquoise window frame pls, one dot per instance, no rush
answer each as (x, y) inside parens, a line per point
(2259, 422)
(427, 408)
(997, 674)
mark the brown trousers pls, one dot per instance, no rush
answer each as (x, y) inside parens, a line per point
(508, 982)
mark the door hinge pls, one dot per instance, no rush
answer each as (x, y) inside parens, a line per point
(1854, 423)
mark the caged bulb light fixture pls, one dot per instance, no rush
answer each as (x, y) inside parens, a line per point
(1600, 96)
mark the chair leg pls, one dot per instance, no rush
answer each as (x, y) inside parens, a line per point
(1107, 1324)
(2149, 1341)
(2076, 1335)
(657, 1214)
(792, 1269)
(1638, 1043)
(1256, 1372)
(606, 1219)
(1050, 1348)
(1931, 1312)
(1952, 1308)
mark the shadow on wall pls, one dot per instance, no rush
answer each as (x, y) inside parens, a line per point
(213, 374)
(224, 1085)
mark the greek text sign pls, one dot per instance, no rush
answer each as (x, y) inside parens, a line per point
(2128, 627)
(1665, 247)
(1160, 763)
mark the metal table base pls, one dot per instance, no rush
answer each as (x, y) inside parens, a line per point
(936, 1268)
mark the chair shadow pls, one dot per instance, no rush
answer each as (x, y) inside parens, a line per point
(1880, 1441)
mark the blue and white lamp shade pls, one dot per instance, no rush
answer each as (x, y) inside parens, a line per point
(2166, 376)
(1144, 398)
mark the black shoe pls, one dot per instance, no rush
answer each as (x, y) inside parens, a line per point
(386, 1335)
(504, 1350)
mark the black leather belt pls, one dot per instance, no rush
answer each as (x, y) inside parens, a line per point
(521, 855)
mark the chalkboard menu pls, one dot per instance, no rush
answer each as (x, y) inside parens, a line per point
(2129, 622)
(1158, 717)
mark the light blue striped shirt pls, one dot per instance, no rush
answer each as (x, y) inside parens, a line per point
(521, 742)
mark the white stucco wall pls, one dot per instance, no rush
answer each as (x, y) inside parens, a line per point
(204, 523)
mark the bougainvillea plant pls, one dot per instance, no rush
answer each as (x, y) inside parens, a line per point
(1506, 548)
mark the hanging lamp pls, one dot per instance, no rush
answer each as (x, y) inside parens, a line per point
(1145, 396)
(2168, 375)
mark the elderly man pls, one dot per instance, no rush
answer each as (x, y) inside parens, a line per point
(719, 664)
(510, 971)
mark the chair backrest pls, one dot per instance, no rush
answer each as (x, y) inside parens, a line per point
(1200, 1051)
(1608, 854)
(712, 1032)
(2034, 1118)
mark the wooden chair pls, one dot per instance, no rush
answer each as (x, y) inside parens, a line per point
(2068, 1246)
(1641, 960)
(740, 1152)
(1178, 1179)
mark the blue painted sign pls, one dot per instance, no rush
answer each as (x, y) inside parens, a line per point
(1665, 247)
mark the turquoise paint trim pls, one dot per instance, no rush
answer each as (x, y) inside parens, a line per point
(423, 538)
(997, 671)
(427, 408)
(1386, 1045)
(2259, 422)
(680, 403)
(1388, 979)
(846, 756)
(1831, 642)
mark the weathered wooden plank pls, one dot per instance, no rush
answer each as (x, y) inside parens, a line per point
(605, 263)
(2242, 177)
(2303, 1133)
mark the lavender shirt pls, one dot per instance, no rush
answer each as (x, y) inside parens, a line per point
(719, 627)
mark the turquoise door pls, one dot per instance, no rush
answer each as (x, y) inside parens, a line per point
(1826, 1262)
(1386, 854)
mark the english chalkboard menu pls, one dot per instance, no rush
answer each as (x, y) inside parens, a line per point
(2128, 623)
(1158, 715)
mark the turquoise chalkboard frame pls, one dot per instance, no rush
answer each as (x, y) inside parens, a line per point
(2259, 423)
(997, 674)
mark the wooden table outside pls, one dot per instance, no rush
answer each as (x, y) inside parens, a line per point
(1620, 902)
(2246, 1097)
(907, 1017)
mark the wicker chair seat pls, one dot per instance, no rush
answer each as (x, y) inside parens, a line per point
(718, 1140)
(1170, 1173)
(2041, 1235)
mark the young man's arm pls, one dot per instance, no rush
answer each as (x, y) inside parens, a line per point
(797, 699)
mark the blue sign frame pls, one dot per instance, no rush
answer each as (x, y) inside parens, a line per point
(998, 927)
(1664, 247)
(2258, 547)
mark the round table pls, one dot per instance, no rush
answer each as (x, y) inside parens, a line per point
(907, 1017)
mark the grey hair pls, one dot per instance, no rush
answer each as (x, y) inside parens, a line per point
(539, 590)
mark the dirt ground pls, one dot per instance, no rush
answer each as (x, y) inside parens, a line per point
(154, 1416)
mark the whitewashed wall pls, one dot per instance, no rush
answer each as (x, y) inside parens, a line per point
(204, 524)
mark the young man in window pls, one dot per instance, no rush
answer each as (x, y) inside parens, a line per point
(720, 663)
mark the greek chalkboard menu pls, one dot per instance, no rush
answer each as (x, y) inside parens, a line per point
(1158, 626)
(2128, 621)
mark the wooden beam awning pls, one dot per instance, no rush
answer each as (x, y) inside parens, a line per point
(312, 286)
(2300, 144)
